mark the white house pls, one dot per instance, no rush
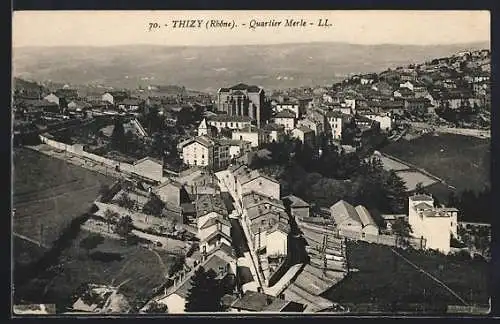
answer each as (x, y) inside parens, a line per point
(233, 122)
(203, 129)
(435, 225)
(213, 225)
(291, 106)
(407, 85)
(277, 240)
(208, 207)
(276, 132)
(286, 118)
(52, 98)
(336, 121)
(247, 180)
(204, 151)
(251, 134)
(385, 119)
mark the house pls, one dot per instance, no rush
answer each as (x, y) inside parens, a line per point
(78, 106)
(407, 84)
(237, 147)
(276, 132)
(403, 93)
(214, 240)
(113, 97)
(150, 168)
(286, 118)
(305, 135)
(436, 225)
(364, 123)
(253, 135)
(247, 180)
(355, 220)
(336, 122)
(213, 225)
(298, 207)
(173, 213)
(131, 104)
(205, 152)
(385, 120)
(107, 300)
(416, 104)
(234, 122)
(252, 301)
(207, 207)
(291, 105)
(218, 261)
(169, 192)
(316, 126)
(52, 98)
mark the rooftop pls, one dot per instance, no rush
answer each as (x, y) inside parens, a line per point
(296, 201)
(259, 302)
(210, 203)
(285, 113)
(227, 118)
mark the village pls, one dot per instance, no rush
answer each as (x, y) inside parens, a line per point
(191, 178)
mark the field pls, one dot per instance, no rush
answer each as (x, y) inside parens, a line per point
(412, 178)
(385, 281)
(462, 161)
(49, 193)
(140, 270)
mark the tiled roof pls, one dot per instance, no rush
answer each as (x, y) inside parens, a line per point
(216, 234)
(421, 198)
(364, 216)
(296, 201)
(285, 113)
(273, 127)
(210, 203)
(227, 118)
(342, 212)
(305, 129)
(215, 220)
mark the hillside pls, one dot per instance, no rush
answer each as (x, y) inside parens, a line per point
(207, 68)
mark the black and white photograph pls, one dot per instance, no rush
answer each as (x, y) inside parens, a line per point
(242, 162)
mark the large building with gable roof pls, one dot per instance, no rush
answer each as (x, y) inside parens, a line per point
(242, 100)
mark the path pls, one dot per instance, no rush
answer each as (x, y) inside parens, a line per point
(431, 276)
(30, 240)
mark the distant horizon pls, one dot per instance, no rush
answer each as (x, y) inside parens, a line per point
(242, 45)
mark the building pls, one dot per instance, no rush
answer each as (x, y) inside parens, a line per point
(242, 100)
(252, 134)
(131, 104)
(276, 132)
(115, 96)
(245, 180)
(203, 129)
(354, 220)
(336, 122)
(205, 152)
(317, 126)
(385, 120)
(298, 207)
(286, 118)
(170, 192)
(237, 147)
(305, 135)
(291, 105)
(234, 122)
(52, 98)
(436, 225)
(221, 261)
(416, 104)
(252, 301)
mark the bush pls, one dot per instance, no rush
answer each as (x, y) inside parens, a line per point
(106, 256)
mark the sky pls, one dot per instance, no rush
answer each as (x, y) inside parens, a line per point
(109, 28)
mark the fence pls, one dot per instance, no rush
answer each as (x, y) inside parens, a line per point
(77, 149)
(390, 240)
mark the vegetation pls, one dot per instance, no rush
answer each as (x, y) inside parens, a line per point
(111, 217)
(91, 242)
(403, 231)
(125, 201)
(124, 226)
(154, 206)
(333, 176)
(205, 294)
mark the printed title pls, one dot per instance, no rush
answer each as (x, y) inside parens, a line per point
(252, 24)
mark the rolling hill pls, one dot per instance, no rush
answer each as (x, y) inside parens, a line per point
(207, 68)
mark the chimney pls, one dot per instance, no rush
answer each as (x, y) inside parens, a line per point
(269, 300)
(282, 296)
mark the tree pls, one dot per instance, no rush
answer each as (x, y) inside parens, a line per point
(157, 308)
(91, 242)
(118, 135)
(110, 217)
(124, 226)
(205, 294)
(125, 201)
(154, 206)
(402, 229)
(419, 188)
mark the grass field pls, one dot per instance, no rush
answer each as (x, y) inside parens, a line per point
(384, 279)
(462, 161)
(139, 269)
(50, 193)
